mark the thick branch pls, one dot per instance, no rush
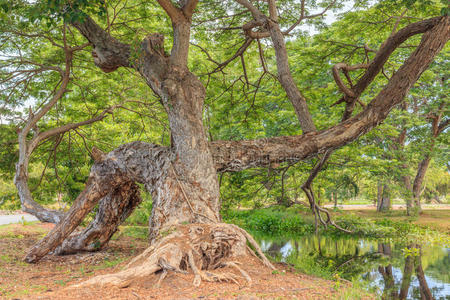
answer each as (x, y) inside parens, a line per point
(113, 209)
(283, 68)
(181, 23)
(287, 81)
(109, 54)
(173, 12)
(273, 13)
(180, 48)
(390, 45)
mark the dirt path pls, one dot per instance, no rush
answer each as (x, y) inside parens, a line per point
(16, 218)
(394, 206)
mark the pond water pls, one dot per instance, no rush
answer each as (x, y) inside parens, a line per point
(392, 270)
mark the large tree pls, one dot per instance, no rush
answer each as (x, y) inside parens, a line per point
(185, 225)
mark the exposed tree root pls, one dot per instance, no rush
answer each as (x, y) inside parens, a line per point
(202, 249)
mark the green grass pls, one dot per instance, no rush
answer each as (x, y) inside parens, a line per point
(107, 263)
(33, 289)
(18, 231)
(6, 258)
(354, 292)
(296, 220)
(135, 231)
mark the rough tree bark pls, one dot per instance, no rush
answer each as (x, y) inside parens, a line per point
(185, 228)
(182, 179)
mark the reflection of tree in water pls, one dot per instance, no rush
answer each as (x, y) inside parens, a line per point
(355, 258)
(413, 261)
(342, 256)
(389, 291)
(407, 274)
(274, 249)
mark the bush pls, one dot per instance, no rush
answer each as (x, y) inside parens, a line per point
(269, 220)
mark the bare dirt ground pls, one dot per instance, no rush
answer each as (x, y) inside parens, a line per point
(437, 219)
(54, 276)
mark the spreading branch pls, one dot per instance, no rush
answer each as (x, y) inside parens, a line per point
(239, 155)
(383, 54)
(58, 130)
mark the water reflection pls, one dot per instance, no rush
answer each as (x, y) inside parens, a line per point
(392, 270)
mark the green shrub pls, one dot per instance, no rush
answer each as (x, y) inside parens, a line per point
(270, 220)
